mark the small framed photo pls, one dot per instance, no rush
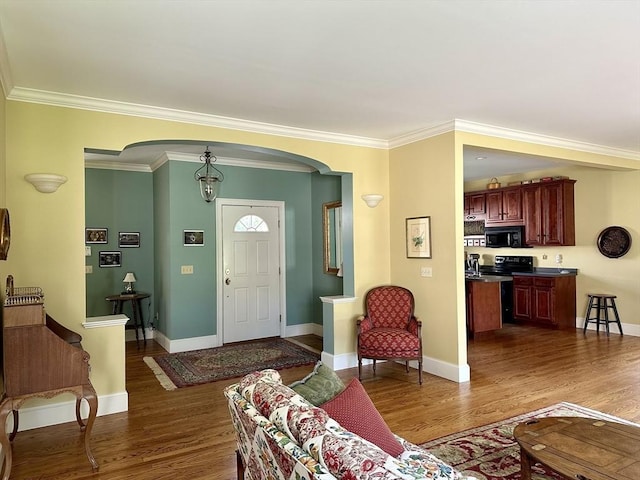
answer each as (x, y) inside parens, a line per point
(419, 237)
(193, 238)
(128, 239)
(95, 235)
(109, 259)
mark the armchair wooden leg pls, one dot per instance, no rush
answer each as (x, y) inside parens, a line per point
(420, 371)
(374, 366)
(359, 367)
(239, 466)
(406, 366)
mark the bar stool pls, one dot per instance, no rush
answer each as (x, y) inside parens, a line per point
(601, 303)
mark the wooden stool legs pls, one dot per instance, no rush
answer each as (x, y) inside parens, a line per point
(602, 304)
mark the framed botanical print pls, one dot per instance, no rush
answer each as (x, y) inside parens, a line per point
(419, 237)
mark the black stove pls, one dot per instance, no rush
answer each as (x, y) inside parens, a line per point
(508, 264)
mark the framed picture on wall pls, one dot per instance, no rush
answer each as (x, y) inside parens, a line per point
(419, 237)
(95, 235)
(109, 259)
(128, 239)
(193, 238)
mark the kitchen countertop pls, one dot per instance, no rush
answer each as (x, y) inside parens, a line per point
(549, 272)
(487, 277)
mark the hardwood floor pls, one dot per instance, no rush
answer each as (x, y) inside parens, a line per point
(187, 433)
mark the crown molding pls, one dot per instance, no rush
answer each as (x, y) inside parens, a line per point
(192, 158)
(122, 108)
(127, 167)
(422, 134)
(510, 134)
(160, 113)
(239, 162)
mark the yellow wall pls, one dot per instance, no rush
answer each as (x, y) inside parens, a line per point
(602, 198)
(426, 180)
(48, 229)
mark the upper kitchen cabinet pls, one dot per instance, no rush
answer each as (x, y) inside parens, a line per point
(474, 206)
(504, 206)
(549, 216)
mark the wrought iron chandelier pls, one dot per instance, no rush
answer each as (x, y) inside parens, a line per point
(208, 177)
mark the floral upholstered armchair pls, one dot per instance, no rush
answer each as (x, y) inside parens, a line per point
(389, 330)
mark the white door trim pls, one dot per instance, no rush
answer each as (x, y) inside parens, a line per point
(219, 260)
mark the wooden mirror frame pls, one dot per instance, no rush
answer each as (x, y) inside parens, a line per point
(327, 239)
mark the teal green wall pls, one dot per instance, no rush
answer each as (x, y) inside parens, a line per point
(162, 258)
(121, 202)
(325, 188)
(186, 304)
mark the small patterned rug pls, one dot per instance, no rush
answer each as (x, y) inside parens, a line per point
(176, 370)
(491, 453)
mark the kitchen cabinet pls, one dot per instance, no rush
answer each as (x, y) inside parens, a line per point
(545, 300)
(474, 205)
(504, 206)
(549, 215)
(484, 312)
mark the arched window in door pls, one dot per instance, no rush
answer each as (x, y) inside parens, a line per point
(251, 223)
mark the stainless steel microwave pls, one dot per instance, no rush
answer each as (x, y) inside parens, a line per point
(510, 237)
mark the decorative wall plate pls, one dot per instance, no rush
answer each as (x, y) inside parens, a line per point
(614, 242)
(5, 233)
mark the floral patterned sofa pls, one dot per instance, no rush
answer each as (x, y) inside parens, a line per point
(282, 436)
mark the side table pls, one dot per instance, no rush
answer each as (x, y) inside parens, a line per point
(118, 301)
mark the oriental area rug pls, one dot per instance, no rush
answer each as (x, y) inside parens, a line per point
(491, 453)
(176, 370)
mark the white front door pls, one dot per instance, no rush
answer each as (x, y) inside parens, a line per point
(250, 272)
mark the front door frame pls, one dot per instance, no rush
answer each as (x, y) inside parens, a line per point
(220, 202)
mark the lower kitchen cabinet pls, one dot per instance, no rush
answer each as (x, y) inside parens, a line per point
(484, 311)
(548, 300)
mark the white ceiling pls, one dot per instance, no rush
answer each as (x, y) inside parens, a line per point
(357, 71)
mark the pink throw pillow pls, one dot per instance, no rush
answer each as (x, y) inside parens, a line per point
(354, 410)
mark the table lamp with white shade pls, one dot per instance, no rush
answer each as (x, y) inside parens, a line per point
(129, 280)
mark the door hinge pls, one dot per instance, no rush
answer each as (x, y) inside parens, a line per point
(280, 318)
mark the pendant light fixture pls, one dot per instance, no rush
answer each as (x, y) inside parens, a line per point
(208, 177)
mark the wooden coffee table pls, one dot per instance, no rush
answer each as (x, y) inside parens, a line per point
(580, 448)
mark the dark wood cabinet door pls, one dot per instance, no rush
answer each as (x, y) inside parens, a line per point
(522, 300)
(476, 204)
(551, 201)
(512, 204)
(494, 206)
(531, 214)
(543, 304)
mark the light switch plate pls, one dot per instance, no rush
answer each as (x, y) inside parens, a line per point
(88, 269)
(87, 250)
(426, 272)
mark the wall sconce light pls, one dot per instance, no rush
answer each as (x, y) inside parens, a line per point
(45, 182)
(372, 199)
(208, 177)
(129, 279)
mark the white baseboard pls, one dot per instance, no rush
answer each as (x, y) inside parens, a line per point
(630, 329)
(185, 344)
(303, 329)
(63, 412)
(455, 373)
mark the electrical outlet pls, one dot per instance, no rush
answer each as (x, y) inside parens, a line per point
(87, 250)
(544, 256)
(426, 272)
(186, 269)
(559, 258)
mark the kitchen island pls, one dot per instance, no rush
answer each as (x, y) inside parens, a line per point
(484, 303)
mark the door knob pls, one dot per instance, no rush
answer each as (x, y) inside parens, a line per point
(228, 281)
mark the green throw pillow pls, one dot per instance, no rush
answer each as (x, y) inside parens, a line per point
(319, 386)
